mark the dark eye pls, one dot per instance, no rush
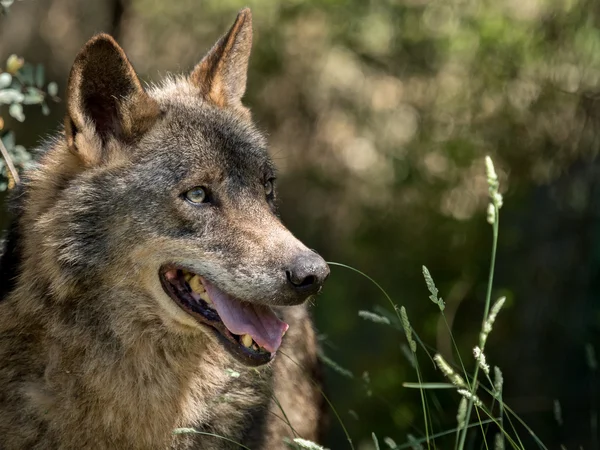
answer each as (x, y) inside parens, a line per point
(269, 187)
(196, 195)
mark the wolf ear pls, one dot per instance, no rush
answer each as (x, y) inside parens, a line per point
(221, 75)
(105, 101)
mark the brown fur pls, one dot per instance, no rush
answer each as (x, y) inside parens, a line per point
(93, 353)
(221, 75)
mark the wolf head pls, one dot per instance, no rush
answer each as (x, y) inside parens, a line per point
(167, 196)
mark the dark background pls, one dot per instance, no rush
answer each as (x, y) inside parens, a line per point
(379, 115)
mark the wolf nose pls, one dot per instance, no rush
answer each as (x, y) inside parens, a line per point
(307, 273)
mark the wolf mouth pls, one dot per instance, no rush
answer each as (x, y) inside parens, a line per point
(252, 333)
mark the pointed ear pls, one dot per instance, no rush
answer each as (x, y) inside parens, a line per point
(105, 101)
(221, 75)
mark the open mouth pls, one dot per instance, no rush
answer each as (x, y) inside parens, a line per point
(252, 333)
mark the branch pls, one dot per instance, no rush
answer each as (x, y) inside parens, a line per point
(11, 167)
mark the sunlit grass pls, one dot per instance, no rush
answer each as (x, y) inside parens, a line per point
(467, 385)
(479, 395)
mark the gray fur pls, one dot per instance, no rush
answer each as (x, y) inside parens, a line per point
(94, 353)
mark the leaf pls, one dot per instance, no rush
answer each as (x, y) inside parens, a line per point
(335, 366)
(16, 111)
(13, 64)
(375, 441)
(389, 442)
(39, 76)
(20, 153)
(9, 140)
(5, 80)
(52, 89)
(368, 315)
(8, 96)
(309, 445)
(428, 385)
(26, 73)
(33, 97)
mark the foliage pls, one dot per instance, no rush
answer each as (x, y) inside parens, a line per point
(20, 157)
(468, 386)
(21, 84)
(4, 5)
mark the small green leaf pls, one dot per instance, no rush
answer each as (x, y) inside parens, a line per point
(428, 385)
(5, 80)
(8, 96)
(33, 97)
(16, 111)
(39, 76)
(26, 73)
(335, 366)
(309, 445)
(9, 140)
(368, 315)
(53, 89)
(375, 441)
(13, 64)
(389, 442)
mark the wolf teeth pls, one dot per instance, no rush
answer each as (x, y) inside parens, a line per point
(204, 296)
(246, 340)
(196, 285)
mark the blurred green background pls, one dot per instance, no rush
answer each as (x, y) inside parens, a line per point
(379, 114)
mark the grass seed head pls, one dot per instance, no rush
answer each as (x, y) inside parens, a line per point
(480, 357)
(368, 315)
(498, 381)
(462, 413)
(499, 442)
(308, 445)
(493, 186)
(449, 372)
(489, 322)
(432, 289)
(470, 396)
(408, 330)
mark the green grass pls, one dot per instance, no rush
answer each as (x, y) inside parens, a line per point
(473, 414)
(478, 391)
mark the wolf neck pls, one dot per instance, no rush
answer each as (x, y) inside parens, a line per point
(131, 392)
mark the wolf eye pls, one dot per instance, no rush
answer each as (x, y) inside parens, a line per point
(269, 187)
(196, 195)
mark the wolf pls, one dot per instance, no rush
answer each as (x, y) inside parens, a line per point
(150, 296)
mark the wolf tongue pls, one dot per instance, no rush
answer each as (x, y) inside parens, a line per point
(259, 321)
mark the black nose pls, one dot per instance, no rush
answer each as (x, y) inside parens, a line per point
(307, 273)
